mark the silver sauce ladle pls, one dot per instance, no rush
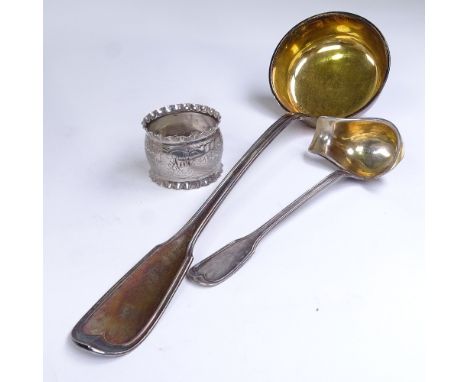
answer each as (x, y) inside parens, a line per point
(362, 148)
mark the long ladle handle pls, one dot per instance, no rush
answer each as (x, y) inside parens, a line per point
(123, 317)
(229, 259)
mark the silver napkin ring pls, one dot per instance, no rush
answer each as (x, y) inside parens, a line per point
(183, 145)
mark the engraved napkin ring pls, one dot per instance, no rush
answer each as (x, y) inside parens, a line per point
(183, 145)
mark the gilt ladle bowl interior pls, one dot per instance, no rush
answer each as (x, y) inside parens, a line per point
(333, 64)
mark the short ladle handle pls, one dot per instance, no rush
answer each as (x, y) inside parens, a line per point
(229, 259)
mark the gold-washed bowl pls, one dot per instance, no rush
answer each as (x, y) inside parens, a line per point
(334, 64)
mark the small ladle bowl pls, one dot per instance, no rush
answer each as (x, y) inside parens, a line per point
(366, 148)
(363, 148)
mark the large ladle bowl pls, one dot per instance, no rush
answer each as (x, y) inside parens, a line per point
(334, 63)
(330, 64)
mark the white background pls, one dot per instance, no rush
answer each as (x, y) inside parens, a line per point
(333, 294)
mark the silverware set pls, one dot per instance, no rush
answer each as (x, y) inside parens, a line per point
(324, 71)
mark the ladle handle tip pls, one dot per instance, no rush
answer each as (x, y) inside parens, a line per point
(226, 261)
(123, 317)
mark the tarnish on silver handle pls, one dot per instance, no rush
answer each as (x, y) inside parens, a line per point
(129, 310)
(227, 260)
